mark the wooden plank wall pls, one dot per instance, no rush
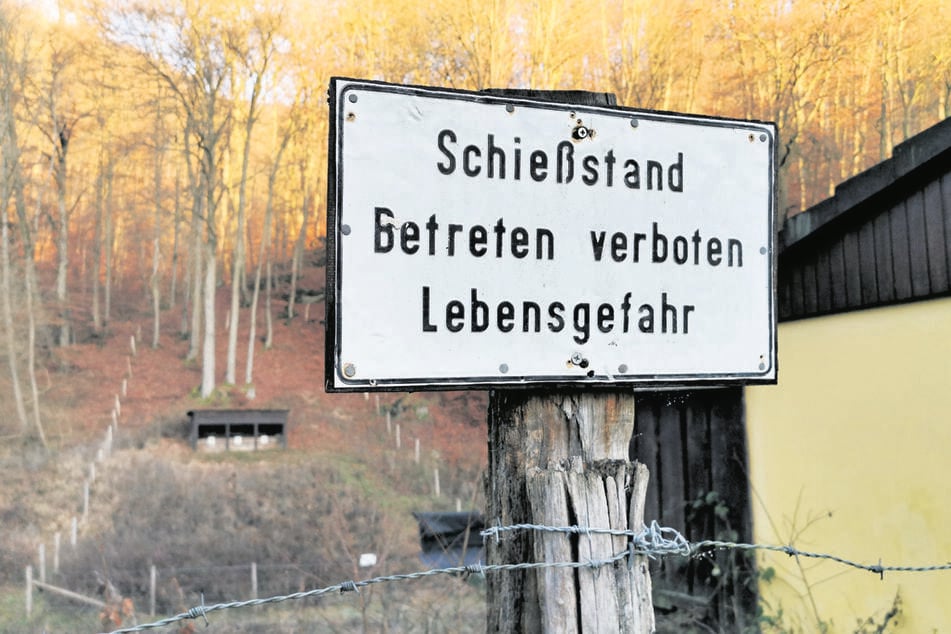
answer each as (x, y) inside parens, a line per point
(694, 444)
(897, 253)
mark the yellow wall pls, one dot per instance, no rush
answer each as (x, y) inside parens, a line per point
(851, 454)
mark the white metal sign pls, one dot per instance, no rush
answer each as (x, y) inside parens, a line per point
(489, 241)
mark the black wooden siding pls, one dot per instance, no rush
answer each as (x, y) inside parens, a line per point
(884, 238)
(694, 445)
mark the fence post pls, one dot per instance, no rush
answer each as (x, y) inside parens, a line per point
(436, 482)
(557, 458)
(74, 532)
(153, 576)
(389, 427)
(398, 436)
(41, 557)
(85, 501)
(254, 580)
(29, 591)
(416, 451)
(56, 540)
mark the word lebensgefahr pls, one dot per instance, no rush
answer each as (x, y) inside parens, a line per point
(476, 314)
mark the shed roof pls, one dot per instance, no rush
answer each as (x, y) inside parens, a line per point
(239, 416)
(883, 238)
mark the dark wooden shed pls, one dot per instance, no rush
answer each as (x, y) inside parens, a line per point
(237, 429)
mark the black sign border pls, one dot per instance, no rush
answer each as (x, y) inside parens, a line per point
(333, 368)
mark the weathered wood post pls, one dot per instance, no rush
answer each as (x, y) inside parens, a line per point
(153, 578)
(557, 459)
(29, 592)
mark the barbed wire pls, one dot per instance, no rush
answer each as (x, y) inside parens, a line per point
(652, 541)
(354, 586)
(656, 540)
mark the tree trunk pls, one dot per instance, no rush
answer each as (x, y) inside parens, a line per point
(208, 340)
(62, 246)
(298, 254)
(559, 459)
(8, 321)
(263, 252)
(196, 278)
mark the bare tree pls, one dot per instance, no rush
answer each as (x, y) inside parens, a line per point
(13, 71)
(186, 49)
(255, 50)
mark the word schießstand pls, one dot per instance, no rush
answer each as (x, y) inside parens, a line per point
(554, 243)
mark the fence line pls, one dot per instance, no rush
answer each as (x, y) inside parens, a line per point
(652, 541)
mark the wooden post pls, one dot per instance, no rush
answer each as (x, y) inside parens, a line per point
(153, 578)
(56, 544)
(556, 459)
(398, 443)
(416, 451)
(41, 561)
(125, 387)
(436, 482)
(85, 501)
(74, 532)
(389, 425)
(29, 591)
(254, 580)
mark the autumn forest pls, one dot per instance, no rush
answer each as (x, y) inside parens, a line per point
(159, 150)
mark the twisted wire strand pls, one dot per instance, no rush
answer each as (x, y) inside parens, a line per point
(652, 541)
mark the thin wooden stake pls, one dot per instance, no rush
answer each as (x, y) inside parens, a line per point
(436, 482)
(41, 559)
(153, 577)
(416, 451)
(29, 591)
(74, 532)
(56, 544)
(125, 387)
(128, 366)
(85, 501)
(398, 443)
(254, 580)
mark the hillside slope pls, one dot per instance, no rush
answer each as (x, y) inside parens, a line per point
(343, 469)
